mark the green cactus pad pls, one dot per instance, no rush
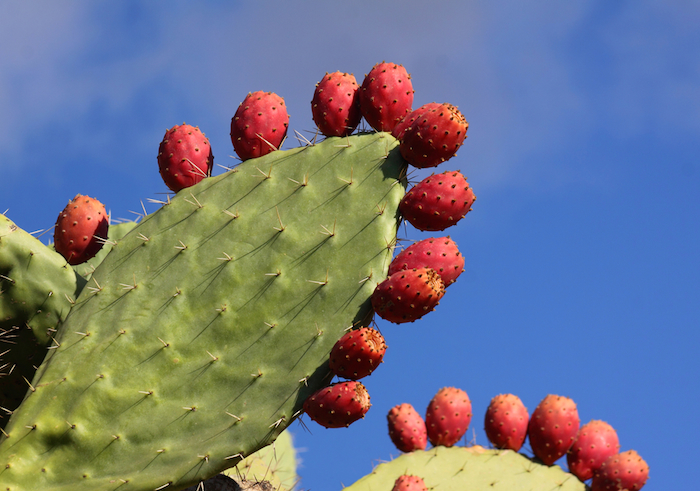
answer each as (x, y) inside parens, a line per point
(37, 287)
(201, 334)
(473, 468)
(276, 463)
(115, 234)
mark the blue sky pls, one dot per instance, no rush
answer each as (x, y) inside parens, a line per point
(582, 275)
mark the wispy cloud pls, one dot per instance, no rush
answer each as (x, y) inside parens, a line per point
(531, 79)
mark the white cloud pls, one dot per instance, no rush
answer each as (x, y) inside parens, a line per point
(512, 68)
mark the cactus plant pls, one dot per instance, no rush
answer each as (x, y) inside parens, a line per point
(37, 288)
(276, 464)
(193, 339)
(211, 322)
(115, 234)
(38, 285)
(474, 468)
(38, 292)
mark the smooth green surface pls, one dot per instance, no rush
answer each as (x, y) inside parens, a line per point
(470, 468)
(200, 335)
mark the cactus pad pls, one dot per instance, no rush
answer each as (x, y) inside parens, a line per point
(276, 463)
(115, 234)
(474, 468)
(202, 332)
(37, 287)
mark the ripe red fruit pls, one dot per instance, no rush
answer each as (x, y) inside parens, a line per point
(408, 295)
(506, 421)
(409, 483)
(386, 96)
(438, 201)
(406, 122)
(553, 427)
(259, 125)
(184, 157)
(357, 353)
(81, 229)
(624, 471)
(448, 416)
(440, 254)
(434, 137)
(338, 405)
(335, 107)
(407, 428)
(594, 443)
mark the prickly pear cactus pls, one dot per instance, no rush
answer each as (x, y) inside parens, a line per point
(473, 468)
(205, 328)
(37, 288)
(276, 463)
(116, 233)
(37, 284)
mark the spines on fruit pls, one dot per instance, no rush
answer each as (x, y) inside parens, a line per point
(184, 157)
(81, 229)
(357, 353)
(594, 443)
(553, 427)
(438, 253)
(386, 96)
(335, 107)
(437, 202)
(407, 428)
(338, 405)
(506, 422)
(408, 295)
(259, 125)
(448, 416)
(434, 137)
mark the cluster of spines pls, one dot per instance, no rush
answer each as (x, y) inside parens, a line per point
(392, 113)
(473, 467)
(135, 283)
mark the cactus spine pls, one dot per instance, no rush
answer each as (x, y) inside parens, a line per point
(211, 322)
(474, 468)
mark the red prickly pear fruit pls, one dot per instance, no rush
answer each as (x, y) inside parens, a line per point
(553, 427)
(357, 353)
(338, 405)
(335, 107)
(434, 137)
(594, 443)
(506, 421)
(408, 295)
(438, 201)
(409, 483)
(407, 428)
(386, 96)
(259, 125)
(184, 157)
(624, 471)
(440, 254)
(81, 229)
(448, 416)
(406, 122)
